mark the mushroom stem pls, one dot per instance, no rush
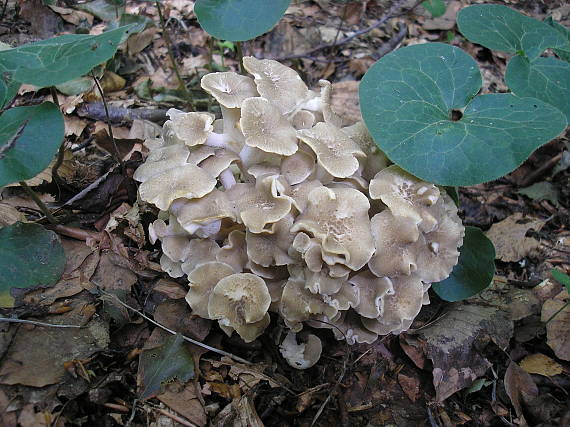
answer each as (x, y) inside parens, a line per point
(208, 230)
(217, 140)
(246, 155)
(227, 178)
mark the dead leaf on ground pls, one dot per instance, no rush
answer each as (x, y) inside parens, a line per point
(185, 400)
(454, 345)
(345, 101)
(114, 273)
(557, 327)
(410, 385)
(541, 364)
(37, 354)
(74, 125)
(509, 239)
(521, 389)
(240, 413)
(10, 215)
(170, 288)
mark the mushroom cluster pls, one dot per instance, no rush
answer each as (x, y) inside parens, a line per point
(278, 207)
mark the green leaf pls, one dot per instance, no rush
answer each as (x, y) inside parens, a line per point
(238, 20)
(57, 60)
(102, 9)
(435, 7)
(562, 52)
(564, 279)
(474, 270)
(76, 86)
(541, 191)
(30, 256)
(454, 194)
(420, 106)
(547, 79)
(29, 138)
(498, 27)
(171, 360)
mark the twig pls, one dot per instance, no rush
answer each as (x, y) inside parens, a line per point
(388, 15)
(33, 322)
(391, 44)
(116, 154)
(558, 311)
(190, 340)
(176, 418)
(33, 195)
(239, 51)
(531, 177)
(181, 84)
(4, 9)
(96, 111)
(61, 151)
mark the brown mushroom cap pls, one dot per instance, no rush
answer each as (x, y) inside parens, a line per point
(230, 89)
(265, 128)
(239, 299)
(202, 281)
(271, 248)
(395, 240)
(304, 355)
(276, 82)
(335, 151)
(191, 213)
(199, 252)
(234, 251)
(338, 218)
(405, 195)
(297, 167)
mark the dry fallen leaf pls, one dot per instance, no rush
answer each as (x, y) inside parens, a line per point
(557, 314)
(239, 413)
(509, 239)
(184, 400)
(10, 215)
(520, 388)
(345, 101)
(541, 364)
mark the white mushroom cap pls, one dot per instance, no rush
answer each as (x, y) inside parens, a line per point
(304, 355)
(335, 151)
(372, 291)
(265, 128)
(230, 89)
(187, 128)
(202, 280)
(239, 300)
(276, 82)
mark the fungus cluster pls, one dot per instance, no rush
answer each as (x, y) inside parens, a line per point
(278, 207)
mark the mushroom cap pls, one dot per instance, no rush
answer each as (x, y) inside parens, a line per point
(405, 195)
(220, 161)
(270, 248)
(230, 89)
(276, 82)
(395, 239)
(297, 167)
(265, 128)
(400, 308)
(187, 128)
(321, 283)
(202, 281)
(239, 299)
(261, 204)
(250, 331)
(192, 212)
(335, 151)
(372, 291)
(303, 119)
(187, 181)
(173, 268)
(199, 252)
(338, 218)
(350, 327)
(149, 170)
(234, 252)
(304, 355)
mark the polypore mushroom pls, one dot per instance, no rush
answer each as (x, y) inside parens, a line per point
(230, 89)
(241, 301)
(304, 355)
(202, 281)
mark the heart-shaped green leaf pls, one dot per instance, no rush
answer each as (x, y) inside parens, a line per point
(57, 60)
(564, 279)
(29, 138)
(238, 20)
(547, 79)
(436, 8)
(171, 360)
(30, 256)
(498, 27)
(420, 105)
(8, 90)
(474, 270)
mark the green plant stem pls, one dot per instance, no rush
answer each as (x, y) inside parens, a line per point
(61, 151)
(181, 84)
(109, 127)
(34, 196)
(239, 51)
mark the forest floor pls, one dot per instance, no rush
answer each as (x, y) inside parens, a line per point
(495, 359)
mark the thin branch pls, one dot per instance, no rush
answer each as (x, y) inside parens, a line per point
(190, 340)
(388, 15)
(33, 322)
(61, 151)
(100, 89)
(34, 196)
(239, 51)
(168, 41)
